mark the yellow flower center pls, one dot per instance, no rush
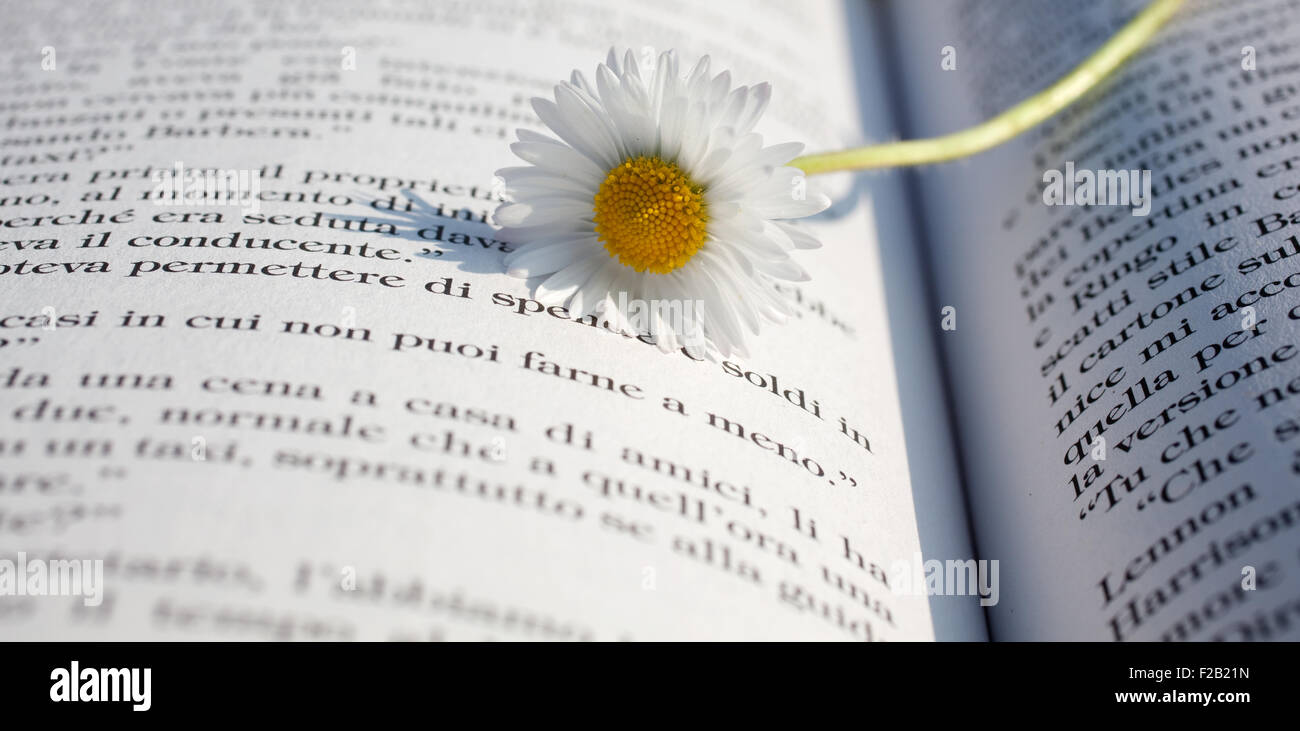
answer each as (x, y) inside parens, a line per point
(650, 216)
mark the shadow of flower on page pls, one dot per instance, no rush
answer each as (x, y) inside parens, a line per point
(457, 235)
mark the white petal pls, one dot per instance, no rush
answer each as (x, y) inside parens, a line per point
(756, 104)
(560, 286)
(595, 289)
(801, 239)
(532, 260)
(788, 205)
(540, 211)
(571, 121)
(560, 160)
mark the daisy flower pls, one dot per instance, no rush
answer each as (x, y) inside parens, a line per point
(658, 191)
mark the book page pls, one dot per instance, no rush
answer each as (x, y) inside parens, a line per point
(329, 414)
(1125, 367)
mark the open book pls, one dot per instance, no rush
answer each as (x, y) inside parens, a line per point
(330, 414)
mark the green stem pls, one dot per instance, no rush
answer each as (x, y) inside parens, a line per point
(1010, 123)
